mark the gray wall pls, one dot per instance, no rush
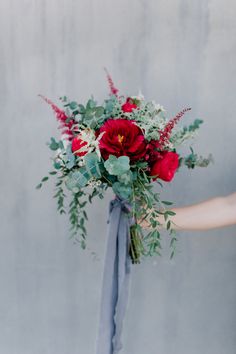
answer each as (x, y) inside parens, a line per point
(180, 53)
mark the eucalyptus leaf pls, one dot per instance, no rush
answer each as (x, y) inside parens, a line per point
(81, 109)
(57, 165)
(92, 165)
(125, 178)
(91, 104)
(73, 105)
(77, 179)
(117, 166)
(53, 145)
(99, 111)
(121, 190)
(70, 158)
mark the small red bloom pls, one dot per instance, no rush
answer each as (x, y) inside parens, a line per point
(166, 166)
(62, 118)
(122, 137)
(77, 144)
(128, 106)
(113, 89)
(152, 154)
(166, 133)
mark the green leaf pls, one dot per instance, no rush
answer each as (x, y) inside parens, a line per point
(169, 212)
(39, 186)
(99, 111)
(92, 165)
(121, 190)
(44, 179)
(125, 178)
(172, 242)
(73, 105)
(61, 145)
(70, 158)
(110, 104)
(53, 145)
(90, 104)
(57, 165)
(77, 179)
(81, 109)
(168, 225)
(117, 166)
(166, 202)
(196, 125)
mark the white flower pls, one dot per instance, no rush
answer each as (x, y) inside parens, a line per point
(139, 97)
(158, 107)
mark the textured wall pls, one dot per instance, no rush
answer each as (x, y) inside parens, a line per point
(180, 53)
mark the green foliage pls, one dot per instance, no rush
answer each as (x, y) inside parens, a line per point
(122, 190)
(54, 145)
(45, 179)
(78, 216)
(187, 132)
(93, 165)
(193, 160)
(117, 165)
(110, 105)
(77, 179)
(60, 196)
(70, 163)
(196, 125)
(126, 178)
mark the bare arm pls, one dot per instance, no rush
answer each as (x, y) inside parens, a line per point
(212, 213)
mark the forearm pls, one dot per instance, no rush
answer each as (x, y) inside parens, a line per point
(210, 214)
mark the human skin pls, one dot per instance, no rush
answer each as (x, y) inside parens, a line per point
(209, 214)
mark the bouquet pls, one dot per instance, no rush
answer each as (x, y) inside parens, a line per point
(127, 144)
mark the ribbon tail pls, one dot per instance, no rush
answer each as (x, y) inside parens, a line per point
(115, 288)
(124, 267)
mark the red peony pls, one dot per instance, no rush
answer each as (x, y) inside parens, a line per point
(122, 137)
(166, 166)
(128, 106)
(77, 144)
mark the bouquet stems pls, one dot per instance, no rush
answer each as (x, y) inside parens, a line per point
(135, 245)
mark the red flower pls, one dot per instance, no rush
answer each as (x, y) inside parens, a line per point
(77, 144)
(128, 106)
(165, 167)
(152, 154)
(122, 137)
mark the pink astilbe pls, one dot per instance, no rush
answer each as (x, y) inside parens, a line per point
(62, 118)
(113, 89)
(166, 133)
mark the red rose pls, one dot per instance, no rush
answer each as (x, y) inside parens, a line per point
(77, 144)
(128, 106)
(166, 166)
(122, 137)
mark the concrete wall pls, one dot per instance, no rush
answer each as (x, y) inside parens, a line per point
(180, 53)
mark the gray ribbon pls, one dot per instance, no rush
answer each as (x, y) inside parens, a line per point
(116, 278)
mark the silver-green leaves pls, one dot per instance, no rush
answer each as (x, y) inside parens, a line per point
(79, 178)
(117, 165)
